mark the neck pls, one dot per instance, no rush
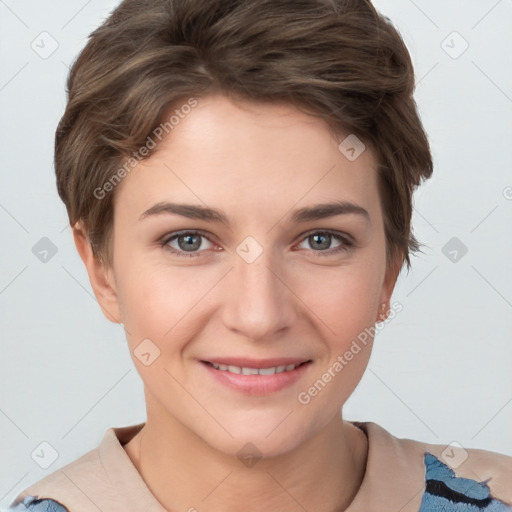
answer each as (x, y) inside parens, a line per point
(184, 473)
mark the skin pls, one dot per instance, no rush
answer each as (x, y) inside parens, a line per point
(257, 162)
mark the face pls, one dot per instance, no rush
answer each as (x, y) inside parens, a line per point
(253, 273)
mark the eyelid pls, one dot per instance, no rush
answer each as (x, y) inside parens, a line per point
(347, 242)
(168, 237)
(333, 232)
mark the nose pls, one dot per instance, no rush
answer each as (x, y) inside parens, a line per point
(258, 302)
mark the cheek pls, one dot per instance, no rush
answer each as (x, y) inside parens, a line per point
(142, 295)
(157, 318)
(345, 317)
(345, 310)
(158, 302)
(344, 298)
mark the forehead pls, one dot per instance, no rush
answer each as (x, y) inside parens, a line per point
(251, 155)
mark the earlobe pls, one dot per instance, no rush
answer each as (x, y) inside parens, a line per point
(383, 312)
(387, 290)
(100, 277)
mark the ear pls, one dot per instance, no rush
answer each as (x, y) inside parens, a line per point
(100, 277)
(388, 286)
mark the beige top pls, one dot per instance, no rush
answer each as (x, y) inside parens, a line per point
(400, 476)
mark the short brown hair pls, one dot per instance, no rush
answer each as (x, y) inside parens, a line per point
(338, 59)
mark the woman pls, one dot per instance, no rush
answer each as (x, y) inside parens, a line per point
(239, 179)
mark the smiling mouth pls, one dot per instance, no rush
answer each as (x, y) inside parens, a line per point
(243, 370)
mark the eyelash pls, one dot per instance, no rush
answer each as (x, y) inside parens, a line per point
(346, 245)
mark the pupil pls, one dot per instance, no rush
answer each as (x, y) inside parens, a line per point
(189, 244)
(325, 245)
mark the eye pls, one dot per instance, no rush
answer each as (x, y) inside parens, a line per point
(188, 243)
(322, 240)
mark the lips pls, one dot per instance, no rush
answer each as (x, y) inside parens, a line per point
(256, 376)
(245, 370)
(244, 362)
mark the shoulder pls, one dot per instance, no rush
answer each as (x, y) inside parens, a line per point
(33, 504)
(61, 489)
(104, 478)
(452, 478)
(465, 479)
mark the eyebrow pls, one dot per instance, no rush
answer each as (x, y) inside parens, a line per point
(317, 212)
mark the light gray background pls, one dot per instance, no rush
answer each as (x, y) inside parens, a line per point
(440, 371)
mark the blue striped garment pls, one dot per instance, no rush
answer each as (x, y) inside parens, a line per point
(447, 492)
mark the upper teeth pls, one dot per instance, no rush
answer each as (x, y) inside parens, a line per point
(255, 371)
